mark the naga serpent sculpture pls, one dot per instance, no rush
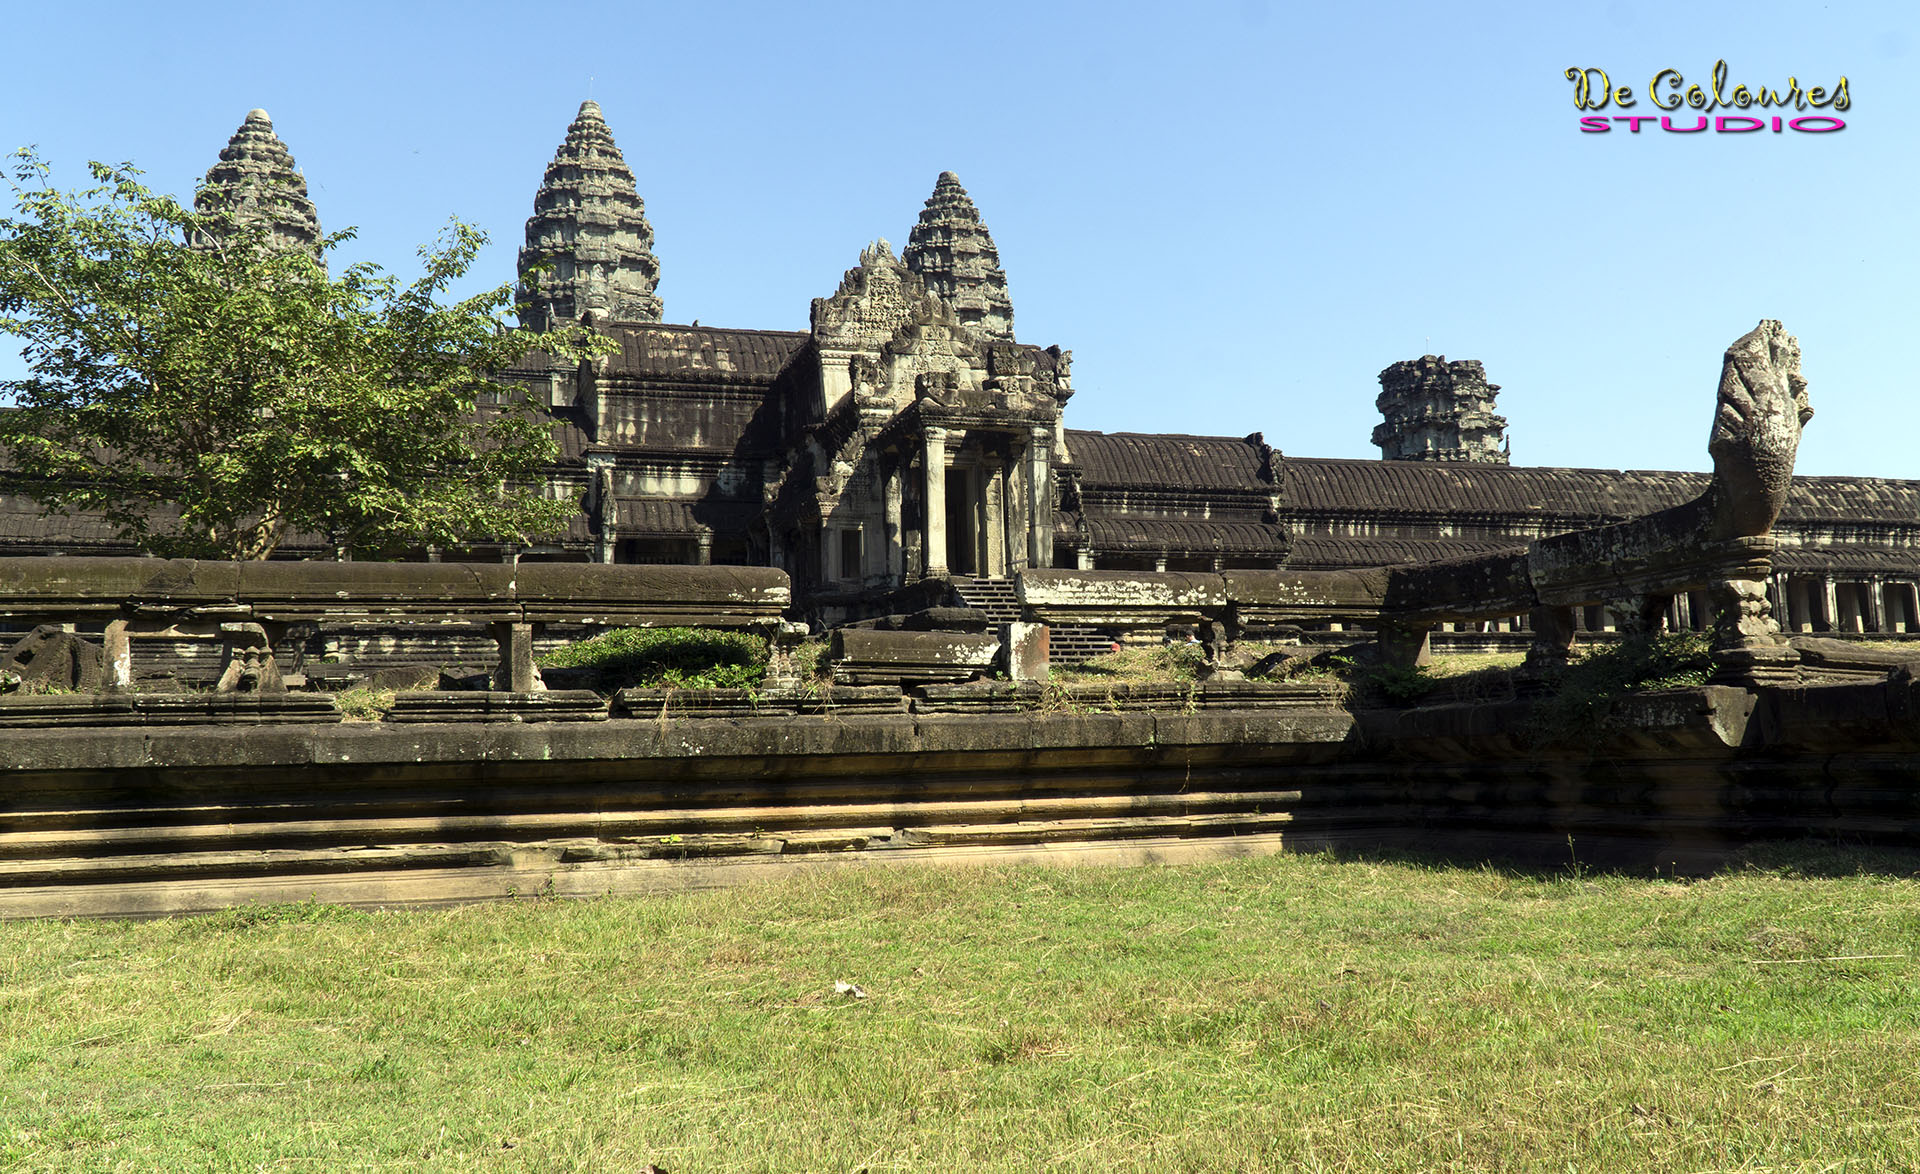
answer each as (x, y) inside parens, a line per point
(1720, 541)
(1756, 431)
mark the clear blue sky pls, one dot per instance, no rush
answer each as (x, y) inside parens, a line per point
(1234, 214)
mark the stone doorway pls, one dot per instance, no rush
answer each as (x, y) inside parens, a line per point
(962, 545)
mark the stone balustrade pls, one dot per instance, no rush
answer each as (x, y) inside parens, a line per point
(248, 606)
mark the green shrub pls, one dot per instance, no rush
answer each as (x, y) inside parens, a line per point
(684, 658)
(1399, 684)
(1585, 693)
(811, 660)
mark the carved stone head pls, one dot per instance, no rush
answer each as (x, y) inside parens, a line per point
(1756, 430)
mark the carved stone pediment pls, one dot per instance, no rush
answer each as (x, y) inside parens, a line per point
(876, 299)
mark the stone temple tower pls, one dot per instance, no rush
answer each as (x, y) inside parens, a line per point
(255, 181)
(589, 227)
(953, 252)
(1439, 411)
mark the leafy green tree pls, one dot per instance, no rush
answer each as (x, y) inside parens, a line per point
(213, 392)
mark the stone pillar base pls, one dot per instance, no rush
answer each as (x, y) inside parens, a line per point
(1748, 650)
(1404, 647)
(1026, 649)
(516, 672)
(1553, 631)
(1756, 667)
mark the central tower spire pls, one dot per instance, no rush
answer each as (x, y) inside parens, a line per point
(954, 253)
(255, 183)
(589, 228)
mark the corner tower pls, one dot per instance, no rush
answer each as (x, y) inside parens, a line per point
(954, 253)
(1439, 411)
(256, 183)
(589, 228)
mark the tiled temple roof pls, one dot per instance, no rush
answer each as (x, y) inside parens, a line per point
(569, 430)
(1126, 532)
(650, 350)
(23, 523)
(689, 354)
(676, 517)
(1330, 484)
(1865, 499)
(1319, 552)
(1164, 460)
(1317, 484)
(25, 529)
(1849, 558)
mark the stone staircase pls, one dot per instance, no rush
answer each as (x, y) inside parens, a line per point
(996, 597)
(1071, 645)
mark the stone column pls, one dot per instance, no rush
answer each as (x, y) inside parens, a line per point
(1748, 649)
(1018, 498)
(1553, 629)
(993, 519)
(1404, 645)
(516, 672)
(1832, 603)
(1875, 601)
(1039, 499)
(605, 512)
(891, 496)
(703, 556)
(1025, 648)
(1160, 561)
(1083, 558)
(119, 656)
(936, 463)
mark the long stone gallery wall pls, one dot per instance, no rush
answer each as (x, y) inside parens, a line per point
(130, 820)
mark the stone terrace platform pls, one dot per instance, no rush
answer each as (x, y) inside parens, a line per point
(163, 819)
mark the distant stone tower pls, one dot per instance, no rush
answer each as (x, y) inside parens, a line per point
(256, 182)
(1439, 411)
(589, 226)
(953, 252)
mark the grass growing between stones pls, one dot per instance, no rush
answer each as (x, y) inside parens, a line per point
(690, 658)
(1138, 664)
(363, 703)
(1287, 1013)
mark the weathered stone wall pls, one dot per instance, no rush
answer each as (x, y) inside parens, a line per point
(172, 818)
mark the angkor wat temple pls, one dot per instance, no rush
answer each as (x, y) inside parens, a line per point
(908, 435)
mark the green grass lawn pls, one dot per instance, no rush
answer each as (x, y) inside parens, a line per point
(1279, 1014)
